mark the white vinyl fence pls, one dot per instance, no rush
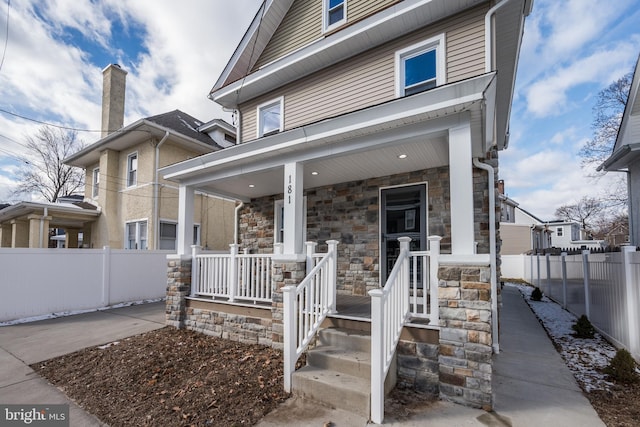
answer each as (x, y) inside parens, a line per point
(36, 282)
(603, 286)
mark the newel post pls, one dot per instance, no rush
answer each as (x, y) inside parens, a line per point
(377, 350)
(290, 334)
(585, 275)
(195, 270)
(332, 274)
(311, 249)
(434, 261)
(233, 271)
(631, 288)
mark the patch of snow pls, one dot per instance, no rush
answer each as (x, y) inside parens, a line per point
(586, 358)
(74, 312)
(102, 347)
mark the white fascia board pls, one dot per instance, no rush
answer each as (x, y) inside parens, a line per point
(454, 94)
(228, 95)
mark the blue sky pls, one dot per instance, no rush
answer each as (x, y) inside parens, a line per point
(174, 52)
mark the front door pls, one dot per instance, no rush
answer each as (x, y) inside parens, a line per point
(403, 212)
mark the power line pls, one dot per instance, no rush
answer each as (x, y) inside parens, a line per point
(6, 40)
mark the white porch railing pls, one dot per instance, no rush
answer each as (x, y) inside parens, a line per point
(232, 276)
(390, 310)
(306, 306)
(423, 287)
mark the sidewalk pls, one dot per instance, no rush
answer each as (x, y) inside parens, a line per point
(24, 344)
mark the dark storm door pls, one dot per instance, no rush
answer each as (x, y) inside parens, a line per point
(403, 212)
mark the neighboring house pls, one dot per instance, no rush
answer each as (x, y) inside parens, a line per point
(126, 204)
(520, 231)
(626, 155)
(569, 235)
(363, 122)
(618, 235)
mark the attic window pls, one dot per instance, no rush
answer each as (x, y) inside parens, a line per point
(270, 118)
(420, 67)
(335, 13)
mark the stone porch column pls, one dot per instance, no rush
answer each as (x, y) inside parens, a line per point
(71, 238)
(5, 235)
(36, 240)
(178, 289)
(19, 234)
(285, 271)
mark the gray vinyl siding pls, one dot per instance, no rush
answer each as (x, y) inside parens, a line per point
(369, 78)
(303, 24)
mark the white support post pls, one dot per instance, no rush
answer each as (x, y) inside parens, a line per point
(631, 288)
(233, 271)
(195, 270)
(538, 270)
(332, 274)
(290, 334)
(377, 349)
(311, 249)
(585, 273)
(293, 208)
(547, 257)
(563, 257)
(461, 190)
(434, 255)
(186, 203)
(106, 275)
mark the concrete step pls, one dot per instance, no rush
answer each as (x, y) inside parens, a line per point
(342, 360)
(348, 339)
(335, 389)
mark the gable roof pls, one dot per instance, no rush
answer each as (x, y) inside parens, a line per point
(182, 127)
(627, 147)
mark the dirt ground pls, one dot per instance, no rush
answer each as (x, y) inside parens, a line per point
(181, 378)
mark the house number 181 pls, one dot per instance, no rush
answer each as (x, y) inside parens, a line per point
(289, 189)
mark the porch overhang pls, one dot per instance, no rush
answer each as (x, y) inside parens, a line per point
(358, 145)
(62, 215)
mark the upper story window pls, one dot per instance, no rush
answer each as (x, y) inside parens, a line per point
(334, 13)
(132, 169)
(270, 118)
(96, 182)
(420, 67)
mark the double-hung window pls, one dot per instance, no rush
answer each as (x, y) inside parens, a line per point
(136, 235)
(132, 169)
(334, 13)
(168, 233)
(96, 182)
(420, 67)
(270, 117)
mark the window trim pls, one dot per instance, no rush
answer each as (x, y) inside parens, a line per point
(259, 121)
(175, 239)
(326, 27)
(137, 222)
(560, 231)
(129, 170)
(95, 183)
(436, 43)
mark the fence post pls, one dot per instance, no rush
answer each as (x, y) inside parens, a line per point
(196, 283)
(377, 350)
(311, 249)
(585, 274)
(233, 271)
(563, 263)
(106, 275)
(632, 299)
(290, 334)
(434, 263)
(332, 274)
(547, 257)
(538, 270)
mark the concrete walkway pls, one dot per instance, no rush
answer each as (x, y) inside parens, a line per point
(532, 385)
(24, 344)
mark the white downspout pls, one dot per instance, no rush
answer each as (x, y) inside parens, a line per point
(488, 36)
(235, 223)
(156, 192)
(492, 251)
(45, 213)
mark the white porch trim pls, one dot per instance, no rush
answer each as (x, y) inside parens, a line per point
(186, 206)
(461, 190)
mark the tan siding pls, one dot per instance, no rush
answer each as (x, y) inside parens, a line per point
(359, 9)
(301, 25)
(369, 78)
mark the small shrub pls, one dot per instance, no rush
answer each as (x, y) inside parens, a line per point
(583, 328)
(536, 294)
(622, 367)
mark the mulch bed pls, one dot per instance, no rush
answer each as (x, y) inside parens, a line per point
(619, 407)
(171, 377)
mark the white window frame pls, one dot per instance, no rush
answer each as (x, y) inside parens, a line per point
(138, 239)
(325, 16)
(95, 183)
(259, 117)
(436, 43)
(134, 182)
(560, 231)
(278, 215)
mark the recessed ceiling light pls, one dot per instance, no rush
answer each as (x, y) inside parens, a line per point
(251, 186)
(314, 173)
(402, 156)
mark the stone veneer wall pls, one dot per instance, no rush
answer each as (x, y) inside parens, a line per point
(349, 212)
(465, 335)
(417, 361)
(285, 273)
(178, 288)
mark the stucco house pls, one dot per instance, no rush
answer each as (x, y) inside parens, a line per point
(370, 130)
(626, 155)
(126, 204)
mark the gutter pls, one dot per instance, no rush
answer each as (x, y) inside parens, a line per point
(492, 251)
(156, 191)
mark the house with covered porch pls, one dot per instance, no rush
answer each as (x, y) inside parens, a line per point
(365, 176)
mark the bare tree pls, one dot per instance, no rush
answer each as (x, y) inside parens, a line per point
(586, 212)
(45, 174)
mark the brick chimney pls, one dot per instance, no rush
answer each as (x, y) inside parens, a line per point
(113, 88)
(501, 186)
